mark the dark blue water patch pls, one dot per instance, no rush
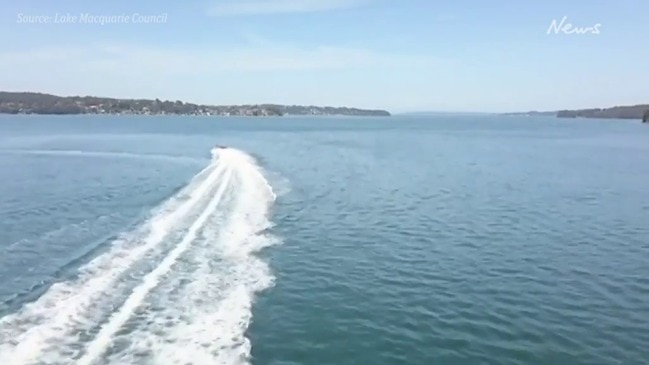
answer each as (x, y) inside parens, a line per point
(476, 247)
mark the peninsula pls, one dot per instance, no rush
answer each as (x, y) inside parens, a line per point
(38, 103)
(617, 112)
(640, 111)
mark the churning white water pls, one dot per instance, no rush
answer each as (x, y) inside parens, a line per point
(177, 290)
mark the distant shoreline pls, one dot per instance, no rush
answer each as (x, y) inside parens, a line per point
(29, 103)
(144, 116)
(640, 112)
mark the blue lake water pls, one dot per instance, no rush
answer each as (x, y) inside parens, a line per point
(403, 240)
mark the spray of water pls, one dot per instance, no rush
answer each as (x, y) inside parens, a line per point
(177, 290)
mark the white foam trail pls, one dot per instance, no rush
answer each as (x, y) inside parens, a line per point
(103, 339)
(26, 336)
(205, 322)
(191, 305)
(77, 153)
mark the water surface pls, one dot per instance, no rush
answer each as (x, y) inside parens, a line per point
(403, 240)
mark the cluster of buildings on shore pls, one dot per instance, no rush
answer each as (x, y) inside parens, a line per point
(200, 111)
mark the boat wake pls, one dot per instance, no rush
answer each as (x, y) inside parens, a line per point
(101, 154)
(177, 290)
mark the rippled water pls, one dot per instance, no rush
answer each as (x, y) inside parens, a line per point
(451, 240)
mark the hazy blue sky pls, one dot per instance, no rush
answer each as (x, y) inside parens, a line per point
(402, 55)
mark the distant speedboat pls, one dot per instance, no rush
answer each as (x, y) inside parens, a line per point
(221, 147)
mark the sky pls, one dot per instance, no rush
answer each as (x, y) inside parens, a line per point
(399, 55)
